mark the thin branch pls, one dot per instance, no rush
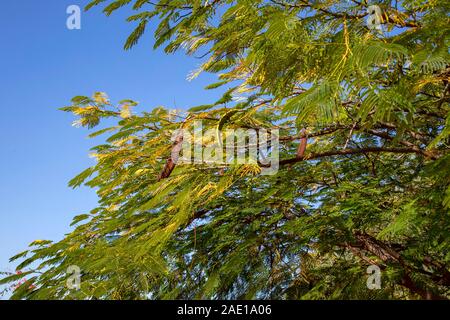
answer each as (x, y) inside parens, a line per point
(313, 156)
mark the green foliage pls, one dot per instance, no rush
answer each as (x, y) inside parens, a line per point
(372, 188)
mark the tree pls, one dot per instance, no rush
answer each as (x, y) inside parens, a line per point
(368, 186)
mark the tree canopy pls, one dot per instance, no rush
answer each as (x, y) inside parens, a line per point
(369, 186)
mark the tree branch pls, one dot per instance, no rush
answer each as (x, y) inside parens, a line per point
(313, 156)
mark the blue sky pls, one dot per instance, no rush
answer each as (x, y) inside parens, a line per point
(43, 65)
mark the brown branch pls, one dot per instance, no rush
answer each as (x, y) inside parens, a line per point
(313, 156)
(379, 249)
(313, 134)
(333, 14)
(388, 255)
(386, 136)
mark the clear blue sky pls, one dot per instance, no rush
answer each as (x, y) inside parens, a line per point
(43, 65)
